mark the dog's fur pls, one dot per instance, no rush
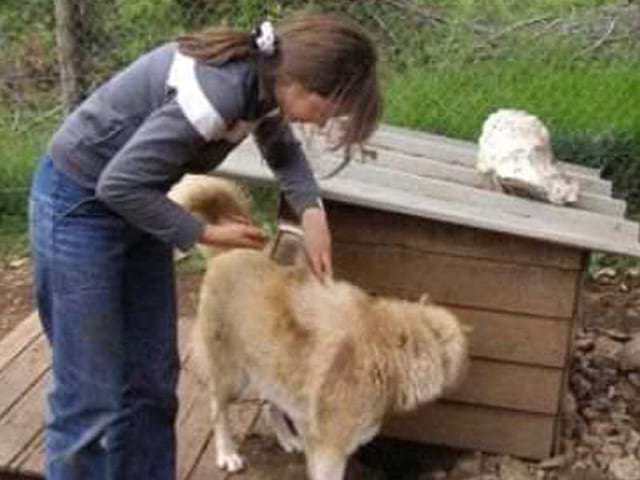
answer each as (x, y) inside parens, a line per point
(334, 359)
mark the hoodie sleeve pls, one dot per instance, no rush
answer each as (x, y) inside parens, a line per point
(286, 158)
(134, 183)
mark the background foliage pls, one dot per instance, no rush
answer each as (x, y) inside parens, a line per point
(446, 65)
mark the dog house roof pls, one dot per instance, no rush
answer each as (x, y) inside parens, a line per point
(434, 177)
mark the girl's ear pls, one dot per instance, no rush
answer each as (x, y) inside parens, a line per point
(425, 299)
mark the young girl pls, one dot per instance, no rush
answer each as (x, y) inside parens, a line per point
(103, 230)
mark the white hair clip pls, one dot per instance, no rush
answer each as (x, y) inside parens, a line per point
(264, 38)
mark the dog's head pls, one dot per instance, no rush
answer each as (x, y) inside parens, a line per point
(429, 351)
(451, 335)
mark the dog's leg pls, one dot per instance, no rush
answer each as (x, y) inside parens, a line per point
(325, 463)
(289, 440)
(227, 456)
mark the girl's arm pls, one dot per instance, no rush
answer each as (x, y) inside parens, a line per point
(134, 183)
(284, 155)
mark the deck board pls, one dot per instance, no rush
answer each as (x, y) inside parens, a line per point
(19, 339)
(19, 377)
(21, 425)
(25, 360)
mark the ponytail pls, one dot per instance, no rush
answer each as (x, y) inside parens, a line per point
(216, 47)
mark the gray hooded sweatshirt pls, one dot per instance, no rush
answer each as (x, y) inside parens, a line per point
(166, 115)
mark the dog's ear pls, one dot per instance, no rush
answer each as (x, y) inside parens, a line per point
(425, 299)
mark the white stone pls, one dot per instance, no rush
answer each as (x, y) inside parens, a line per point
(515, 153)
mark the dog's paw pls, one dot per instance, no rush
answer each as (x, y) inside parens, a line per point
(231, 462)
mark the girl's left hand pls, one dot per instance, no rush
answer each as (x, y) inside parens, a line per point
(317, 242)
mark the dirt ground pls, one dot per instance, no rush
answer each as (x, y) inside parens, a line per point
(610, 308)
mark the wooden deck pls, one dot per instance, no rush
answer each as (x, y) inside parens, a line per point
(25, 371)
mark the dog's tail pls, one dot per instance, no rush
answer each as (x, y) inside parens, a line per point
(211, 198)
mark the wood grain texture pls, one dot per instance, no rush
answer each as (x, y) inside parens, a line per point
(449, 149)
(517, 338)
(368, 226)
(19, 339)
(525, 388)
(458, 281)
(527, 435)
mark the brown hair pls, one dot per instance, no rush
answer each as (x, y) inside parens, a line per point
(326, 54)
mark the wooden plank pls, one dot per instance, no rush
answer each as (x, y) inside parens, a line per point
(575, 325)
(453, 165)
(23, 373)
(32, 457)
(424, 145)
(448, 149)
(511, 386)
(516, 338)
(194, 430)
(458, 281)
(457, 192)
(185, 326)
(363, 226)
(593, 195)
(19, 339)
(23, 423)
(26, 356)
(565, 226)
(193, 424)
(522, 434)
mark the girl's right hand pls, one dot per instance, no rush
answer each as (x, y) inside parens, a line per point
(235, 232)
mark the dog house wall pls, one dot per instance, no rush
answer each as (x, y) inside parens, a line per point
(518, 295)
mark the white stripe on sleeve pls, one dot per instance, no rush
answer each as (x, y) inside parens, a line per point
(192, 100)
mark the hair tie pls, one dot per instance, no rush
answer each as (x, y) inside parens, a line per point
(264, 38)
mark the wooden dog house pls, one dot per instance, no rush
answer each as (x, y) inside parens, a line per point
(415, 218)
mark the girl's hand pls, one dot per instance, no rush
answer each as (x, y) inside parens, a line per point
(317, 242)
(234, 232)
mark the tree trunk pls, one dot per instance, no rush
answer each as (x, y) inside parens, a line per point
(69, 28)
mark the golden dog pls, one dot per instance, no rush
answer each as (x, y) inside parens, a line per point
(334, 359)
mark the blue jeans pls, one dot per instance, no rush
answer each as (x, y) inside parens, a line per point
(106, 298)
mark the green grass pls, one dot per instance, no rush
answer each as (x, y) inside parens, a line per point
(591, 99)
(21, 145)
(511, 8)
(14, 242)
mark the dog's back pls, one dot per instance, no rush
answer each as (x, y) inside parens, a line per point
(299, 333)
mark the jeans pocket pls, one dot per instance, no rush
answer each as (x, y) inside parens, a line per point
(83, 207)
(73, 201)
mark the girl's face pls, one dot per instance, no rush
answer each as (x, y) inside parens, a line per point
(299, 105)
